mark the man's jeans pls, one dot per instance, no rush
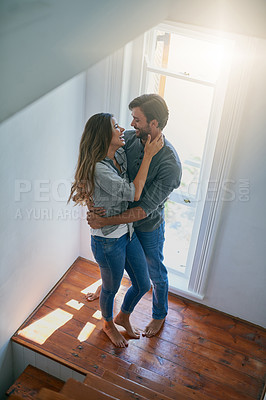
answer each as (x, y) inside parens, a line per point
(114, 256)
(152, 243)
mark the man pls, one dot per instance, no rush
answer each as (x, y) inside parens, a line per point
(150, 116)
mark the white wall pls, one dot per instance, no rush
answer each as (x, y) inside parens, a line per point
(38, 143)
(237, 277)
(103, 94)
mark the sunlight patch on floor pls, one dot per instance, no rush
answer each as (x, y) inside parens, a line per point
(92, 288)
(97, 314)
(86, 332)
(75, 304)
(39, 331)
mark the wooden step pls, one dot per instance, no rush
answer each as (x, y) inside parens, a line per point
(111, 387)
(134, 387)
(158, 383)
(79, 391)
(31, 381)
(47, 394)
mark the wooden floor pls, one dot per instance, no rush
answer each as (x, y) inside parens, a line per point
(206, 354)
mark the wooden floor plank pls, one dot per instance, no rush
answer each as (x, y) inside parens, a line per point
(162, 385)
(148, 391)
(209, 332)
(210, 350)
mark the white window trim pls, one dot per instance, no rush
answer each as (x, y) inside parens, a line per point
(228, 133)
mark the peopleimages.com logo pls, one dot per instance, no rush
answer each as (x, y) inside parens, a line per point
(33, 196)
(43, 189)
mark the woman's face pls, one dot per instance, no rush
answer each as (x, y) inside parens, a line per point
(117, 135)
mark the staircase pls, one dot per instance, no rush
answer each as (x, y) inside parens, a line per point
(125, 384)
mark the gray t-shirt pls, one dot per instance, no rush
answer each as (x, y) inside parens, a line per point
(113, 191)
(163, 177)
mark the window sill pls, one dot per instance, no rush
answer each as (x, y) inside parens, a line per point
(179, 285)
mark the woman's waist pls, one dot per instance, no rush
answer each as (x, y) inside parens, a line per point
(111, 231)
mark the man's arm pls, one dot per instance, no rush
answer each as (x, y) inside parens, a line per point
(130, 215)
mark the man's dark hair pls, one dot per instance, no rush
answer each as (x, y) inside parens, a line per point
(153, 106)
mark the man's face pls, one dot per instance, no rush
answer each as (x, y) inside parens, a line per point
(140, 124)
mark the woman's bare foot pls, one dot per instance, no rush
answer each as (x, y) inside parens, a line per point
(153, 327)
(122, 319)
(95, 295)
(114, 335)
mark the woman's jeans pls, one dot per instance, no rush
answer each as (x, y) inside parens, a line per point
(114, 256)
(152, 244)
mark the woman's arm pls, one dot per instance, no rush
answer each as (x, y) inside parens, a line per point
(151, 148)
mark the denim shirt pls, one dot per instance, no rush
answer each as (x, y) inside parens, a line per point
(164, 176)
(113, 191)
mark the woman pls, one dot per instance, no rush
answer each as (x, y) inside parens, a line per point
(101, 174)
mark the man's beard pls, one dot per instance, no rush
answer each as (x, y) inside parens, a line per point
(143, 133)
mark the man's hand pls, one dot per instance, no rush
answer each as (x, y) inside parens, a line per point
(94, 220)
(96, 210)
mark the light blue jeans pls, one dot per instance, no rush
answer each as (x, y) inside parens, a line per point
(152, 244)
(114, 256)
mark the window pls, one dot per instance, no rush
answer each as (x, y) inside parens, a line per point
(193, 71)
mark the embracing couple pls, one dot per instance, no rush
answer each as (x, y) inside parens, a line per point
(129, 176)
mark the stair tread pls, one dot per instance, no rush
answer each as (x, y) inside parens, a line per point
(47, 394)
(31, 381)
(80, 391)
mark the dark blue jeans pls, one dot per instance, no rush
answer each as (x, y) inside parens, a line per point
(114, 256)
(152, 244)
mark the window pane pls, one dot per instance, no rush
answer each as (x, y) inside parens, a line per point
(179, 221)
(189, 106)
(189, 110)
(178, 53)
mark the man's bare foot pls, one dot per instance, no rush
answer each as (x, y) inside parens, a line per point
(114, 335)
(95, 295)
(122, 319)
(153, 327)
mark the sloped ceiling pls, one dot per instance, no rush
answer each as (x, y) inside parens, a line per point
(246, 17)
(44, 43)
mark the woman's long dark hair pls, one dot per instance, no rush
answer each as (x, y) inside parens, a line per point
(94, 144)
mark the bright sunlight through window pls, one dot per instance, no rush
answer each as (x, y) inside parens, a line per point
(184, 67)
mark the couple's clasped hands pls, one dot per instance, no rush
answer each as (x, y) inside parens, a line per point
(95, 215)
